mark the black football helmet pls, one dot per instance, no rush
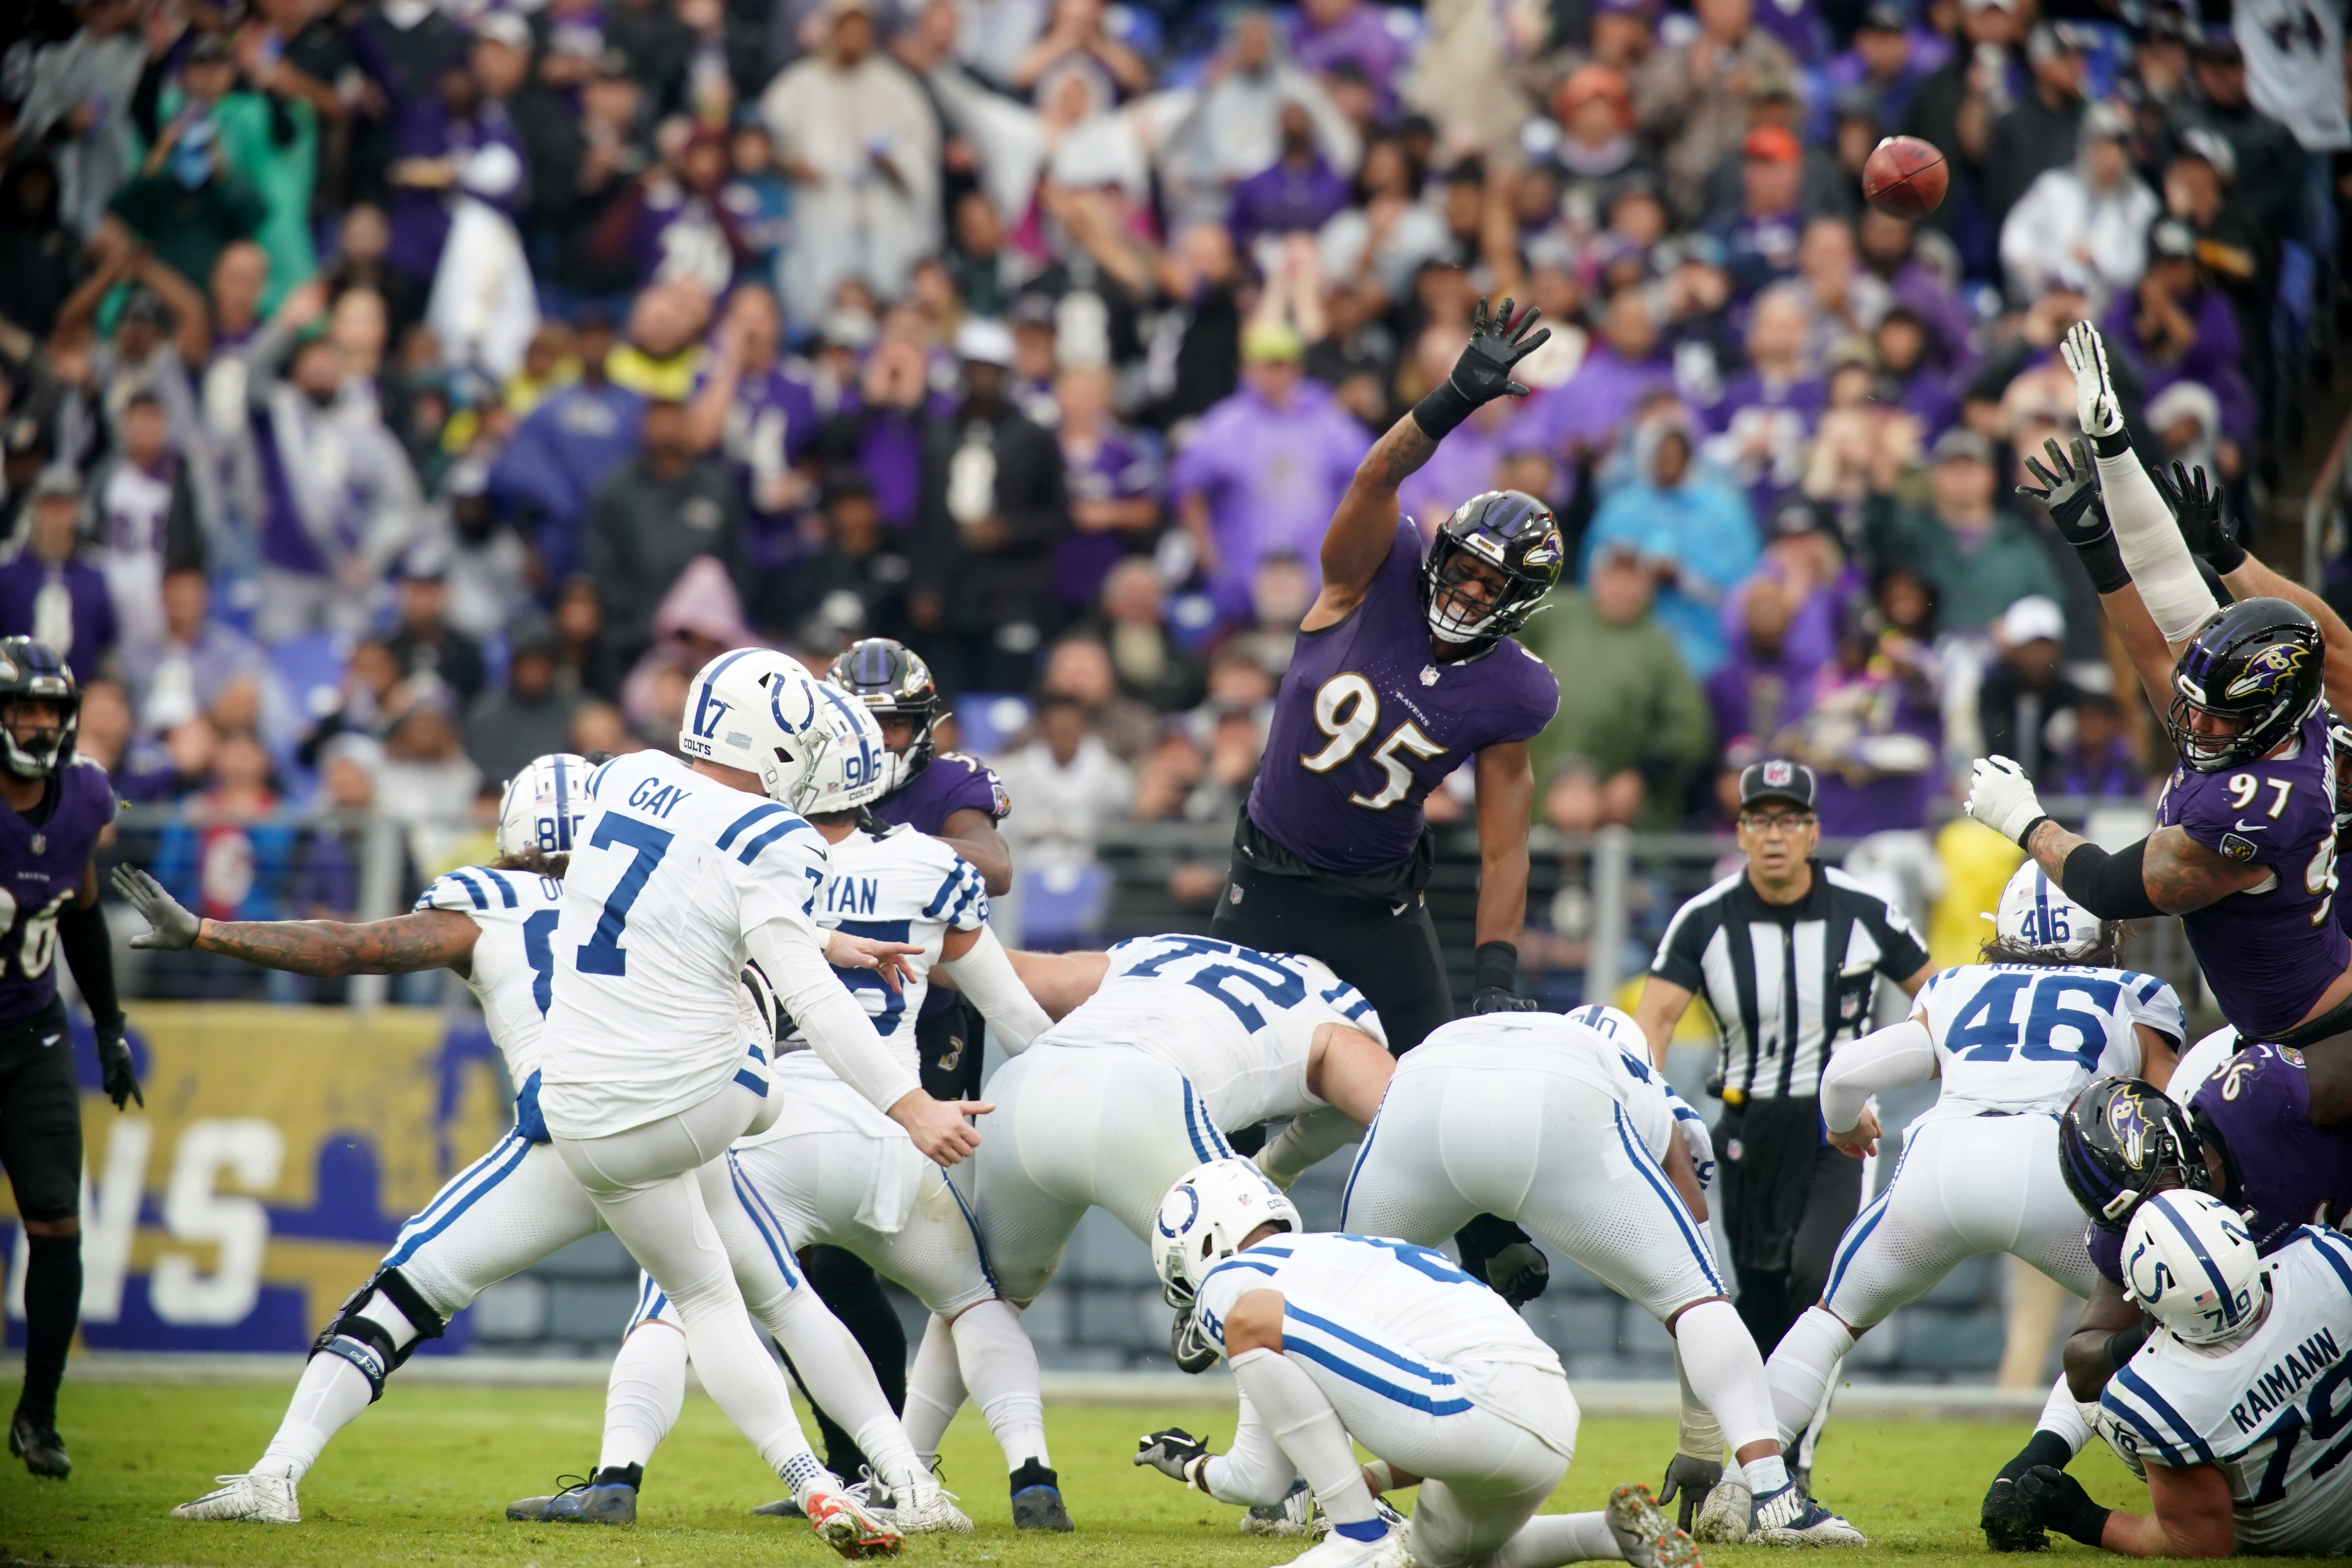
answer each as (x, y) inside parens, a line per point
(890, 677)
(2123, 1139)
(32, 671)
(2257, 664)
(1509, 530)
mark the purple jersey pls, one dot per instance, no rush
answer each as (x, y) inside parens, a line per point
(1368, 724)
(45, 861)
(2267, 952)
(2283, 1171)
(949, 784)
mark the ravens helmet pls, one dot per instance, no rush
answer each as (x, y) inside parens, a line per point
(2123, 1139)
(892, 681)
(32, 671)
(1516, 535)
(2257, 665)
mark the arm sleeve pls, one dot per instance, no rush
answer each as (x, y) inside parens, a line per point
(1254, 1471)
(985, 975)
(1887, 1058)
(90, 951)
(791, 955)
(2160, 563)
(1308, 1139)
(2112, 887)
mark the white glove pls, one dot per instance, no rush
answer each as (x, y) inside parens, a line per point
(2100, 411)
(2002, 797)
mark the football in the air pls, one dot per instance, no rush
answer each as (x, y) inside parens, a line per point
(1905, 177)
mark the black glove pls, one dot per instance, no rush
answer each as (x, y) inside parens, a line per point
(1194, 1352)
(115, 1071)
(1519, 1273)
(2197, 507)
(2057, 1500)
(2009, 1525)
(1494, 975)
(1690, 1479)
(2070, 491)
(1483, 373)
(1174, 1453)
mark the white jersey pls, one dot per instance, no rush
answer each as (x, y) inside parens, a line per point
(1596, 1045)
(669, 873)
(1238, 1023)
(903, 885)
(2017, 1037)
(513, 967)
(2269, 1410)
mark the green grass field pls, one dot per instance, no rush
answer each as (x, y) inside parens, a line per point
(424, 1477)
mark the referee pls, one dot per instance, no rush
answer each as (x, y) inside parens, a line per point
(1788, 953)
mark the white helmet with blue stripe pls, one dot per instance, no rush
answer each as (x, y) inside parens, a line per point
(544, 805)
(2190, 1264)
(812, 748)
(1204, 1217)
(2036, 913)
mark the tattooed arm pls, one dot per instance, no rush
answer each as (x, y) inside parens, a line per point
(2178, 873)
(330, 949)
(1364, 527)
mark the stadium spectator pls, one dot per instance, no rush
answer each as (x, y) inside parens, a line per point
(1692, 532)
(1693, 96)
(423, 644)
(1069, 786)
(2090, 217)
(47, 591)
(145, 500)
(2027, 688)
(2042, 127)
(659, 512)
(184, 666)
(1978, 557)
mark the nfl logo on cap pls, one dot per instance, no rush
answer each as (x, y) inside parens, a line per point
(1777, 778)
(1777, 774)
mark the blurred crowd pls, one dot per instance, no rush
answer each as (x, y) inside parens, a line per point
(394, 390)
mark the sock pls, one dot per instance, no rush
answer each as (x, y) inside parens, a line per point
(329, 1396)
(838, 1377)
(52, 1307)
(2065, 1419)
(1551, 1539)
(1801, 1368)
(1767, 1474)
(805, 1475)
(999, 1367)
(1307, 1430)
(1811, 1441)
(644, 1395)
(1699, 1435)
(630, 1475)
(935, 1391)
(1720, 1365)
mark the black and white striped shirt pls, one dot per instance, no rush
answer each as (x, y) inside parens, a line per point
(1786, 981)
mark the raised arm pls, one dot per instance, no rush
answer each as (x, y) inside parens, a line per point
(327, 949)
(2165, 873)
(1365, 525)
(2069, 489)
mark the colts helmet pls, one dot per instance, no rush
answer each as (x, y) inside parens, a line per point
(2256, 664)
(31, 670)
(809, 745)
(1509, 530)
(1203, 1217)
(892, 681)
(544, 805)
(2036, 913)
(2190, 1263)
(2123, 1139)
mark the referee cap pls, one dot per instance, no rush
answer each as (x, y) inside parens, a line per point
(1776, 778)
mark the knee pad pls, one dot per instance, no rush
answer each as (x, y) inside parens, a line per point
(366, 1343)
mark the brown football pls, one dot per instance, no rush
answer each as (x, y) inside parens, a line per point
(1905, 177)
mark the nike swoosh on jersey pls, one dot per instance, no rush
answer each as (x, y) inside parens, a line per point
(2244, 826)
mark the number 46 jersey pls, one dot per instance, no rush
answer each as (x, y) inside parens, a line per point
(1238, 1023)
(2020, 1037)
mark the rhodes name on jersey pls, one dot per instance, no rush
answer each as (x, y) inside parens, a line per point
(512, 971)
(2013, 1037)
(2267, 1411)
(45, 861)
(1238, 1023)
(1368, 724)
(2269, 951)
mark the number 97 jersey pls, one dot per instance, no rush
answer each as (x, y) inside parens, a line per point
(2021, 1037)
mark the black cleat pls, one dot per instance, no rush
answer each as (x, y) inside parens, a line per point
(2008, 1525)
(782, 1507)
(1037, 1500)
(44, 1452)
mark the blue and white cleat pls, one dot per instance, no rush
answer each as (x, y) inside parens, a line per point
(1789, 1517)
(1337, 1551)
(1297, 1515)
(581, 1502)
(1644, 1535)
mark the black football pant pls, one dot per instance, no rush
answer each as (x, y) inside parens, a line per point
(40, 1148)
(1788, 1197)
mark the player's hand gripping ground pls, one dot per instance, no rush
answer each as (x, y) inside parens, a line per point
(1497, 343)
(175, 927)
(2097, 407)
(938, 1126)
(1173, 1453)
(887, 958)
(1689, 1479)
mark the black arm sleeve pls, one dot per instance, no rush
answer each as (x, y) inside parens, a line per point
(82, 933)
(2110, 885)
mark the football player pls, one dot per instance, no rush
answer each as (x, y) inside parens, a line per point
(1340, 1340)
(1561, 1124)
(58, 806)
(2233, 1410)
(2013, 1041)
(1404, 669)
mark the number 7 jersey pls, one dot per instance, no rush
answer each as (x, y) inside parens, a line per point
(2013, 1037)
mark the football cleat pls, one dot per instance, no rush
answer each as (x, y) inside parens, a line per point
(850, 1527)
(2008, 1524)
(1337, 1551)
(255, 1499)
(1644, 1535)
(1037, 1499)
(1789, 1517)
(930, 1511)
(782, 1507)
(1723, 1520)
(39, 1445)
(1297, 1514)
(582, 1501)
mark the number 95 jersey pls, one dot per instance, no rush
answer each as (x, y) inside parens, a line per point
(2269, 951)
(1368, 724)
(2020, 1037)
